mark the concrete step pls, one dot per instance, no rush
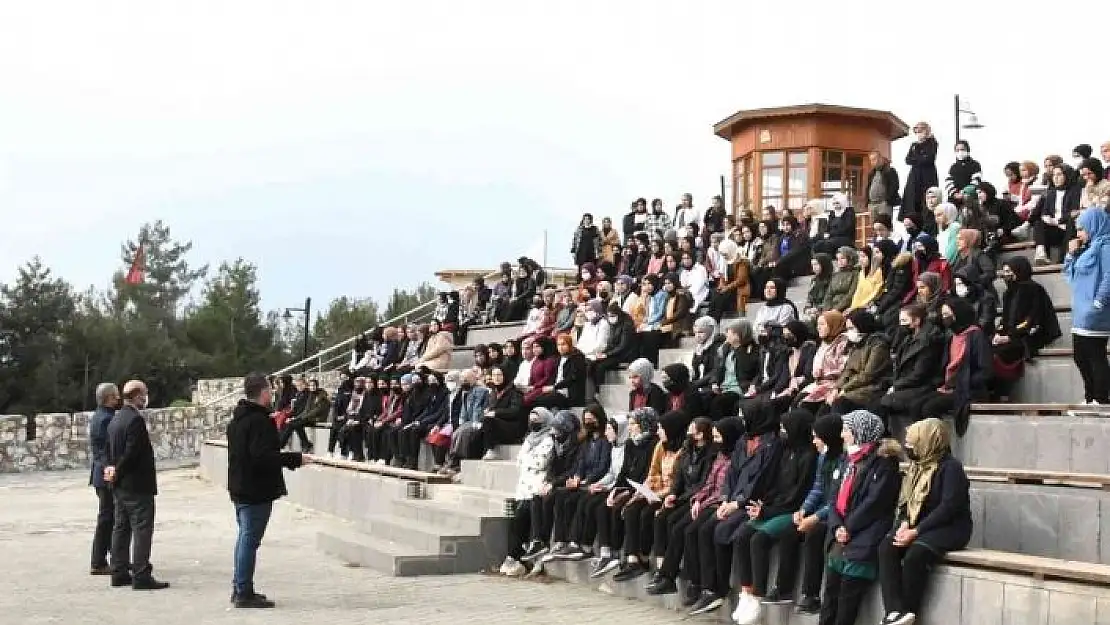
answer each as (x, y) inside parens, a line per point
(442, 515)
(359, 549)
(494, 475)
(1036, 442)
(495, 333)
(420, 536)
(1049, 379)
(464, 497)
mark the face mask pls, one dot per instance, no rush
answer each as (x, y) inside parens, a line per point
(589, 426)
(851, 449)
(1077, 162)
(853, 335)
(591, 316)
(613, 318)
(535, 426)
(360, 389)
(585, 275)
(433, 387)
(961, 155)
(961, 290)
(1008, 277)
(920, 136)
(452, 386)
(911, 454)
(783, 435)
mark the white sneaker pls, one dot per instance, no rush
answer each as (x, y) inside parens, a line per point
(490, 455)
(515, 569)
(504, 570)
(908, 618)
(742, 606)
(749, 610)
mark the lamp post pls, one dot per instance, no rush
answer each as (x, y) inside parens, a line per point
(307, 310)
(972, 118)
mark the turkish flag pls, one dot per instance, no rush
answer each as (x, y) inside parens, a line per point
(135, 274)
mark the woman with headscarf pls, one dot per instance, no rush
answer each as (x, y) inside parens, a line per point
(947, 218)
(655, 263)
(898, 290)
(810, 521)
(768, 256)
(869, 280)
(544, 370)
(771, 516)
(933, 518)
(610, 241)
(784, 373)
(1087, 270)
(776, 311)
(984, 302)
(841, 229)
(794, 250)
(917, 358)
(967, 366)
(639, 513)
(866, 374)
(922, 159)
(928, 258)
(863, 492)
(586, 246)
(843, 282)
(706, 357)
(733, 287)
(998, 210)
(564, 460)
(503, 422)
(677, 321)
(828, 361)
(1054, 218)
(736, 371)
(568, 389)
(532, 462)
(595, 332)
(930, 295)
(741, 457)
(822, 266)
(700, 508)
(636, 454)
(1028, 323)
(680, 394)
(970, 258)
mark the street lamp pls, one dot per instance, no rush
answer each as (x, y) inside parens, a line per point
(307, 310)
(972, 118)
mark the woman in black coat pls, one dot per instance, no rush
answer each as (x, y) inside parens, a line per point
(569, 389)
(1028, 323)
(504, 422)
(933, 518)
(922, 159)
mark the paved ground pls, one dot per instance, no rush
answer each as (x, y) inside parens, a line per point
(45, 531)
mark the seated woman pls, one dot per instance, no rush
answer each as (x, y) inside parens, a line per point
(482, 360)
(418, 397)
(677, 322)
(620, 348)
(828, 361)
(1028, 323)
(771, 516)
(866, 374)
(649, 335)
(863, 493)
(587, 286)
(532, 462)
(708, 347)
(411, 348)
(503, 422)
(693, 468)
(737, 370)
(568, 390)
(594, 456)
(933, 518)
(841, 228)
(681, 395)
(380, 444)
(565, 307)
(898, 291)
(763, 266)
(733, 288)
(469, 429)
(639, 512)
(507, 356)
(983, 302)
(843, 283)
(970, 259)
(545, 324)
(595, 331)
(694, 279)
(869, 281)
(822, 267)
(437, 349)
(644, 392)
(564, 460)
(967, 367)
(794, 250)
(787, 366)
(776, 311)
(927, 259)
(810, 522)
(918, 359)
(636, 454)
(542, 373)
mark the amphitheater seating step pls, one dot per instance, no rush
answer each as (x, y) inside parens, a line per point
(1034, 566)
(1018, 439)
(360, 549)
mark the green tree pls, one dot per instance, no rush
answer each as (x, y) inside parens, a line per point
(167, 276)
(404, 300)
(344, 318)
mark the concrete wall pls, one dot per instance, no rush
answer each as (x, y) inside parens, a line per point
(61, 441)
(217, 388)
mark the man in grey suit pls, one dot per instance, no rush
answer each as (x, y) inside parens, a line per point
(107, 401)
(131, 471)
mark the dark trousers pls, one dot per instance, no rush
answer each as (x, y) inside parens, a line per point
(132, 534)
(543, 516)
(350, 440)
(937, 404)
(670, 537)
(724, 405)
(564, 509)
(1043, 234)
(902, 575)
(552, 401)
(587, 518)
(520, 528)
(843, 597)
(831, 245)
(297, 425)
(718, 578)
(754, 548)
(598, 368)
(1089, 353)
(336, 436)
(812, 546)
(722, 304)
(252, 520)
(408, 445)
(650, 342)
(639, 528)
(105, 519)
(375, 439)
(699, 561)
(610, 525)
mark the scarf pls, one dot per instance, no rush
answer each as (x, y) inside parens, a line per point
(1096, 223)
(845, 493)
(930, 438)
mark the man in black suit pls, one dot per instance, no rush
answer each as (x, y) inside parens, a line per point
(107, 401)
(254, 481)
(131, 472)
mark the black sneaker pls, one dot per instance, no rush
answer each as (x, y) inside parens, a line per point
(664, 586)
(691, 595)
(148, 583)
(707, 602)
(253, 601)
(630, 571)
(118, 581)
(235, 597)
(777, 597)
(534, 551)
(808, 605)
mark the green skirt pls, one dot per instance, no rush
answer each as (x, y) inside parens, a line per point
(775, 526)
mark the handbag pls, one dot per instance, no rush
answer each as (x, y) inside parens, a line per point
(440, 438)
(280, 417)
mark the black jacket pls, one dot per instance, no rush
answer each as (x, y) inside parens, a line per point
(918, 360)
(637, 461)
(703, 367)
(98, 444)
(254, 456)
(945, 520)
(130, 452)
(594, 459)
(844, 226)
(870, 512)
(922, 159)
(656, 398)
(563, 465)
(747, 364)
(692, 467)
(793, 478)
(961, 174)
(574, 379)
(890, 182)
(621, 345)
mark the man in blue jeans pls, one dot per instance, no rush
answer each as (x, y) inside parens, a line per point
(255, 481)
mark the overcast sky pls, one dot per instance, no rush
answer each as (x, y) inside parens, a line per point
(349, 147)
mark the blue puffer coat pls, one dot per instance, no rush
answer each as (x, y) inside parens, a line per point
(1088, 274)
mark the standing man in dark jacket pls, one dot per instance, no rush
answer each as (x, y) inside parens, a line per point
(254, 481)
(131, 472)
(107, 401)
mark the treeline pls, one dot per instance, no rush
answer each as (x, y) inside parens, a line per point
(57, 343)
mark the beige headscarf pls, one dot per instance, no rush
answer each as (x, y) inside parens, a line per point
(932, 440)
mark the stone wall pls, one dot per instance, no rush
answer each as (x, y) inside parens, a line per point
(216, 389)
(61, 441)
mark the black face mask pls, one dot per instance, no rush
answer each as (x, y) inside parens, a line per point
(360, 389)
(793, 342)
(535, 426)
(912, 230)
(947, 321)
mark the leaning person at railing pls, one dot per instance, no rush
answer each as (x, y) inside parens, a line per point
(465, 440)
(437, 348)
(504, 421)
(316, 407)
(933, 518)
(381, 430)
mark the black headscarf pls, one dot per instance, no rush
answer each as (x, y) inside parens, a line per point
(1026, 299)
(863, 321)
(674, 425)
(780, 293)
(890, 252)
(759, 422)
(679, 378)
(798, 424)
(963, 314)
(827, 269)
(731, 429)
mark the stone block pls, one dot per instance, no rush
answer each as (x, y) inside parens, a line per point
(1070, 608)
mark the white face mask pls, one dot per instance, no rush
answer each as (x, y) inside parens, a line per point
(591, 315)
(613, 318)
(452, 386)
(1077, 162)
(853, 335)
(919, 135)
(961, 290)
(961, 155)
(585, 275)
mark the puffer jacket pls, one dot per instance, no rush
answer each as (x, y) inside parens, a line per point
(593, 459)
(867, 373)
(533, 463)
(616, 455)
(842, 286)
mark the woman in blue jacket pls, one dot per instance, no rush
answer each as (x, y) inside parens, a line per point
(1087, 270)
(933, 518)
(863, 494)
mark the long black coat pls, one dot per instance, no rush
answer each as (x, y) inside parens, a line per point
(918, 362)
(922, 159)
(870, 512)
(574, 379)
(508, 424)
(254, 456)
(945, 522)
